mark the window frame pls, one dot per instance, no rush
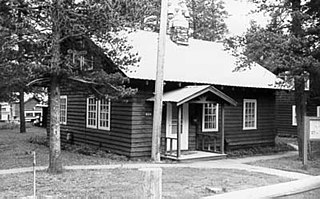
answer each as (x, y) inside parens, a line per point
(66, 109)
(108, 102)
(294, 116)
(245, 102)
(204, 129)
(318, 111)
(96, 113)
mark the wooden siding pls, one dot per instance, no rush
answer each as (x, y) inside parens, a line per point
(284, 103)
(235, 135)
(117, 140)
(131, 121)
(142, 116)
(264, 134)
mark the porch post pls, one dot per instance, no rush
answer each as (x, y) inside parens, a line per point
(222, 129)
(179, 132)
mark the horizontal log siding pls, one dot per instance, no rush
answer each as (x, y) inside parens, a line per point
(131, 122)
(142, 118)
(284, 103)
(117, 140)
(235, 135)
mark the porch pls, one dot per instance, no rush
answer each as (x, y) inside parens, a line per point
(194, 123)
(189, 156)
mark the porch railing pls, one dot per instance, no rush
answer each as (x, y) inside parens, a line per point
(206, 142)
(164, 143)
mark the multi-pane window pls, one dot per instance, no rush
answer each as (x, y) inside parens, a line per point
(294, 115)
(249, 114)
(98, 113)
(210, 117)
(104, 114)
(92, 107)
(63, 109)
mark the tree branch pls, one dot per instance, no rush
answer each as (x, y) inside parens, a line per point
(38, 80)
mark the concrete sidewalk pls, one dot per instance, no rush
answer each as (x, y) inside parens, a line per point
(221, 164)
(272, 191)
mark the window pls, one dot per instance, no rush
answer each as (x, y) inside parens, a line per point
(318, 111)
(82, 62)
(92, 112)
(104, 114)
(294, 116)
(249, 114)
(210, 117)
(63, 109)
(29, 114)
(98, 113)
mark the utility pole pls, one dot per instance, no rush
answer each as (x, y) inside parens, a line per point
(157, 110)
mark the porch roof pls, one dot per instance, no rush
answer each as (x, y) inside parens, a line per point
(183, 95)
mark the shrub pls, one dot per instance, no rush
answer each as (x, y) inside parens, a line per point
(40, 140)
(259, 150)
(8, 125)
(12, 125)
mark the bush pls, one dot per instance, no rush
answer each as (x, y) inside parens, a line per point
(12, 125)
(8, 125)
(258, 150)
(40, 140)
(80, 149)
(92, 151)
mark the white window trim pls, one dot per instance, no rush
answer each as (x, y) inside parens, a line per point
(217, 119)
(98, 110)
(66, 98)
(294, 116)
(318, 111)
(244, 114)
(109, 113)
(88, 125)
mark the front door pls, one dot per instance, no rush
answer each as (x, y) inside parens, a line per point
(172, 125)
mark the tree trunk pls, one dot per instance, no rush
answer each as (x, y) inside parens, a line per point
(299, 81)
(21, 112)
(300, 100)
(55, 162)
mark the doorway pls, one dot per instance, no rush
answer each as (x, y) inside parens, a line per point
(172, 125)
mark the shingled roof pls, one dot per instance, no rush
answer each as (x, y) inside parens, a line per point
(200, 62)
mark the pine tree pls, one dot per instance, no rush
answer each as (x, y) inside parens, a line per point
(207, 19)
(50, 25)
(288, 46)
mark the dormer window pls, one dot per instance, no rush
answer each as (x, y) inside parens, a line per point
(82, 62)
(90, 66)
(80, 59)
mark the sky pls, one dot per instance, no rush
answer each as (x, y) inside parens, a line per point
(240, 18)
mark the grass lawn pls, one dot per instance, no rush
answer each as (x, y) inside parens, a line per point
(292, 164)
(15, 151)
(127, 183)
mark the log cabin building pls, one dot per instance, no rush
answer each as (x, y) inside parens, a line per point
(206, 99)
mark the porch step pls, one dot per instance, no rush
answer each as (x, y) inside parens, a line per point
(195, 156)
